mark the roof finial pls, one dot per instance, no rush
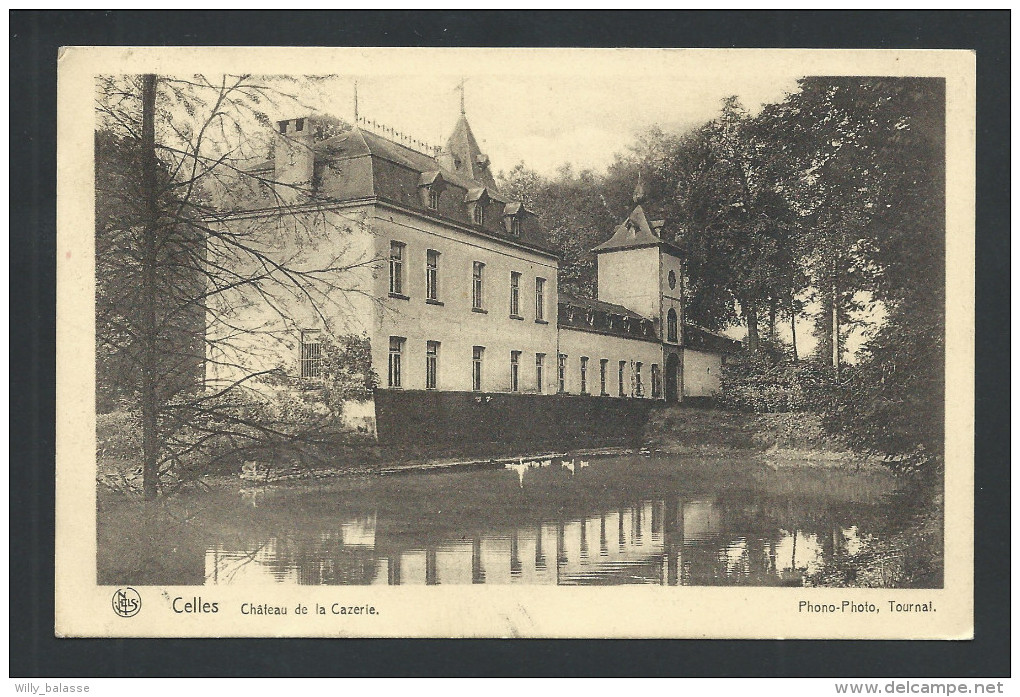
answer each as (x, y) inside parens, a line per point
(639, 190)
(460, 86)
(355, 102)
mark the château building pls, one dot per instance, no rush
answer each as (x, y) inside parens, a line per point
(457, 290)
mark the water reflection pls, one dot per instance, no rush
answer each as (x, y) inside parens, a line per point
(714, 535)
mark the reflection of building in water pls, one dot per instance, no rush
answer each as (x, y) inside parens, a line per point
(599, 549)
(669, 542)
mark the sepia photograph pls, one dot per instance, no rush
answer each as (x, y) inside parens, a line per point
(517, 320)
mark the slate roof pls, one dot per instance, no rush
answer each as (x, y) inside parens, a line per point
(636, 231)
(359, 164)
(700, 339)
(569, 299)
(463, 155)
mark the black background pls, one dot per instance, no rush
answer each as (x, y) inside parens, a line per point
(35, 37)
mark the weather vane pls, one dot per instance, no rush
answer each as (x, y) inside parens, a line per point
(460, 86)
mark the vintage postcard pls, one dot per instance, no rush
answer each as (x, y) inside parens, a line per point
(515, 343)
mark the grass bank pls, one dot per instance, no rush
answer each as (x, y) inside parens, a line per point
(782, 439)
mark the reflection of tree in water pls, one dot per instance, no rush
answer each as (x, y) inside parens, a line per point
(627, 520)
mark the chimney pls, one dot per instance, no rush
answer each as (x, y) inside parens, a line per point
(295, 159)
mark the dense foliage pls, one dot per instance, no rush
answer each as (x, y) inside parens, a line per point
(829, 204)
(773, 387)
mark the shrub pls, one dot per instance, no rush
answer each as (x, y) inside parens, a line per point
(119, 435)
(767, 387)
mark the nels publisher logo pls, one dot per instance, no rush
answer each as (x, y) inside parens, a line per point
(126, 602)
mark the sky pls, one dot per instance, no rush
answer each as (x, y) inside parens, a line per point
(555, 107)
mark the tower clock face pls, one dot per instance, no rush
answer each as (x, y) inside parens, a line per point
(672, 280)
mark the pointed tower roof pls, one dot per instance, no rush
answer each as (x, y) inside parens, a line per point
(635, 231)
(463, 156)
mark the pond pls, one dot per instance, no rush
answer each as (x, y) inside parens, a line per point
(672, 520)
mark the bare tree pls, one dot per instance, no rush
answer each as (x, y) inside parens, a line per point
(202, 258)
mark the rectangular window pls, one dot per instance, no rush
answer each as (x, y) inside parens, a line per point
(638, 387)
(432, 275)
(396, 361)
(623, 367)
(540, 298)
(311, 353)
(433, 199)
(476, 285)
(603, 367)
(479, 214)
(476, 367)
(431, 365)
(515, 294)
(584, 375)
(515, 371)
(540, 373)
(515, 225)
(397, 268)
(561, 371)
(656, 381)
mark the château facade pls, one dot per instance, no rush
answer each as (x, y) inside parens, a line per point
(456, 288)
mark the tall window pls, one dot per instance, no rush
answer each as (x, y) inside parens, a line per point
(623, 367)
(476, 367)
(397, 268)
(431, 364)
(479, 214)
(515, 294)
(432, 275)
(540, 373)
(603, 366)
(671, 328)
(584, 375)
(656, 381)
(433, 198)
(396, 361)
(311, 353)
(515, 225)
(561, 371)
(540, 298)
(476, 285)
(515, 371)
(638, 388)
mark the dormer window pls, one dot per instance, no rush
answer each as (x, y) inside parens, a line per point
(512, 214)
(430, 189)
(476, 201)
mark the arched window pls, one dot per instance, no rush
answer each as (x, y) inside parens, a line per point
(671, 331)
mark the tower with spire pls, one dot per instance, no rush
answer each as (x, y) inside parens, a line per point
(640, 269)
(462, 155)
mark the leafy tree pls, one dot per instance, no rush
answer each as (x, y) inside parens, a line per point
(723, 186)
(579, 210)
(894, 402)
